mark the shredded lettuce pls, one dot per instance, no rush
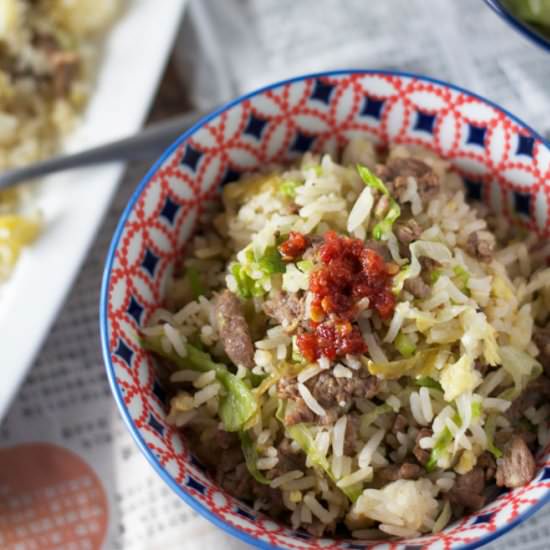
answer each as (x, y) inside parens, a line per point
(288, 188)
(250, 453)
(404, 345)
(421, 364)
(382, 228)
(237, 406)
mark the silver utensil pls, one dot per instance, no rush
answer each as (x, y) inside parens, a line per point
(149, 142)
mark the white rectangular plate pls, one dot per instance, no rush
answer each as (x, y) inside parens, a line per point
(74, 203)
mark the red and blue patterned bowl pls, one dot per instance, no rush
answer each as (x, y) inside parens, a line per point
(503, 162)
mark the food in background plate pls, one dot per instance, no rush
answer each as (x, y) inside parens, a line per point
(48, 53)
(352, 348)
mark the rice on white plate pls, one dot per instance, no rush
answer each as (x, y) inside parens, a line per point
(49, 50)
(355, 340)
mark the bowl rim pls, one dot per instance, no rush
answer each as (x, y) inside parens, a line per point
(104, 295)
(518, 25)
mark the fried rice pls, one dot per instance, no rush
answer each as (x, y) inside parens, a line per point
(352, 348)
(49, 50)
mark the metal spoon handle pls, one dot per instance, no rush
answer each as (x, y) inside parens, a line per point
(147, 143)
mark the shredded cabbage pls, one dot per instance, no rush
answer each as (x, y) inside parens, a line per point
(250, 453)
(520, 366)
(368, 418)
(478, 332)
(463, 278)
(382, 228)
(428, 382)
(237, 406)
(252, 273)
(302, 435)
(404, 345)
(421, 364)
(288, 188)
(197, 288)
(490, 426)
(436, 251)
(459, 377)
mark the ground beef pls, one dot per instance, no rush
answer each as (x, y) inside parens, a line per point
(317, 528)
(536, 392)
(394, 472)
(468, 489)
(408, 232)
(226, 440)
(380, 248)
(352, 433)
(64, 64)
(399, 424)
(286, 308)
(422, 455)
(541, 337)
(236, 482)
(417, 287)
(487, 462)
(287, 388)
(482, 367)
(299, 413)
(397, 171)
(517, 467)
(289, 460)
(480, 245)
(65, 67)
(330, 391)
(234, 330)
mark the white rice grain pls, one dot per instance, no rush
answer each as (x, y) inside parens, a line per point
(202, 396)
(365, 455)
(397, 531)
(300, 484)
(310, 401)
(361, 210)
(267, 463)
(184, 376)
(285, 478)
(338, 435)
(317, 509)
(426, 404)
(204, 379)
(340, 371)
(363, 474)
(309, 372)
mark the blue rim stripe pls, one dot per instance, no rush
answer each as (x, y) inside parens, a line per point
(518, 25)
(178, 489)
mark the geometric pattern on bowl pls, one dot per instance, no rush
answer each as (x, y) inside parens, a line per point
(503, 162)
